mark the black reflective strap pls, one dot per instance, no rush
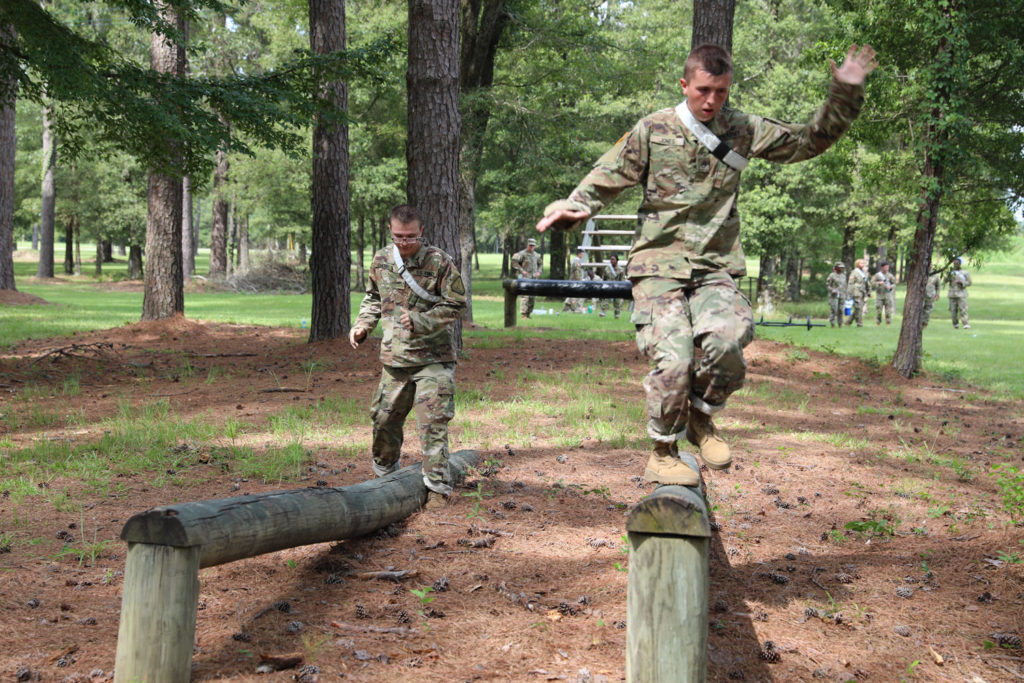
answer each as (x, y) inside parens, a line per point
(721, 151)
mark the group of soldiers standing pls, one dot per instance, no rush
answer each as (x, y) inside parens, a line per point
(858, 289)
(527, 264)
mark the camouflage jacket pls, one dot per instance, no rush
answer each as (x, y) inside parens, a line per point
(388, 296)
(688, 222)
(883, 283)
(835, 283)
(858, 284)
(959, 281)
(932, 286)
(576, 269)
(616, 273)
(527, 263)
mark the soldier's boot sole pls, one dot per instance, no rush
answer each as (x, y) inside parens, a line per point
(701, 432)
(666, 469)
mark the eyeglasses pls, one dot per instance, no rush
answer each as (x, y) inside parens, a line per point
(406, 240)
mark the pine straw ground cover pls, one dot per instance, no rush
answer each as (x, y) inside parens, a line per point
(861, 531)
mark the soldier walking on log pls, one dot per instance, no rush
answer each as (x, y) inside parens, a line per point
(416, 292)
(687, 249)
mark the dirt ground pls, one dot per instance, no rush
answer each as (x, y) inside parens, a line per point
(544, 598)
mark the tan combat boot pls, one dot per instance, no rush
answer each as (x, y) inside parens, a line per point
(665, 467)
(702, 433)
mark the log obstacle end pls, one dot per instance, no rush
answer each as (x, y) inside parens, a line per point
(168, 545)
(667, 595)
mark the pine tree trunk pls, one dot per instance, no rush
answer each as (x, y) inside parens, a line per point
(163, 286)
(134, 262)
(69, 246)
(48, 203)
(219, 230)
(7, 153)
(76, 228)
(432, 146)
(849, 250)
(243, 246)
(331, 259)
(188, 256)
(712, 23)
(98, 265)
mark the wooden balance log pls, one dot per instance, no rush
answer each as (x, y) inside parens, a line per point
(168, 545)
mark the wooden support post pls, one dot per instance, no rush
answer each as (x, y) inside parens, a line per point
(667, 594)
(510, 303)
(158, 614)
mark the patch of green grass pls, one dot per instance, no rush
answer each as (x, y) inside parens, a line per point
(272, 464)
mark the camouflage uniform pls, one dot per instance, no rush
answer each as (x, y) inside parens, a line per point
(613, 273)
(419, 365)
(527, 265)
(931, 295)
(835, 283)
(575, 273)
(687, 247)
(858, 290)
(885, 298)
(959, 280)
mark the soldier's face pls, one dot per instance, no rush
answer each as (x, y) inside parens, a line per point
(531, 247)
(705, 94)
(408, 237)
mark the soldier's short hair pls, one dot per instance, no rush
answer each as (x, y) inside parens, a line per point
(579, 250)
(405, 214)
(882, 263)
(710, 58)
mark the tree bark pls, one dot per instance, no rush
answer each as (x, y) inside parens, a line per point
(848, 254)
(219, 230)
(188, 255)
(432, 145)
(481, 27)
(48, 203)
(712, 23)
(98, 264)
(134, 262)
(243, 245)
(361, 240)
(163, 288)
(7, 153)
(331, 261)
(69, 246)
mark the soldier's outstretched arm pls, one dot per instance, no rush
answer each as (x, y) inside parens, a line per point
(562, 219)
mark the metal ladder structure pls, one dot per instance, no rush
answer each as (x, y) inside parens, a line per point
(621, 249)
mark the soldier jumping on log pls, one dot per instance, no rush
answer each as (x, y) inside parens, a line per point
(687, 251)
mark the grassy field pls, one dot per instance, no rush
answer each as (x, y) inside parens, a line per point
(983, 355)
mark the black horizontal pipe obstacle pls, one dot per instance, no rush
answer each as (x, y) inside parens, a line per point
(574, 289)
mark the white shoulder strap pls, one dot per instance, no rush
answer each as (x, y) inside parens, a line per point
(410, 280)
(718, 148)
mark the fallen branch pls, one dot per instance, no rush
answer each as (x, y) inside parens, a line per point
(388, 575)
(221, 355)
(77, 351)
(400, 630)
(492, 532)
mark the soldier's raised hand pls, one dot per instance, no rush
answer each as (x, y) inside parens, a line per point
(859, 62)
(562, 218)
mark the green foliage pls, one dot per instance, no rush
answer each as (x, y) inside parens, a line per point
(1010, 480)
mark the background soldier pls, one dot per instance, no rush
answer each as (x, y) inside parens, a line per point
(835, 283)
(931, 295)
(416, 350)
(858, 289)
(884, 284)
(687, 249)
(959, 280)
(575, 273)
(527, 264)
(613, 271)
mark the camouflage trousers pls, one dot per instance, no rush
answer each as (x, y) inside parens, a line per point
(673, 319)
(431, 389)
(857, 312)
(926, 314)
(526, 306)
(958, 309)
(616, 306)
(835, 310)
(884, 302)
